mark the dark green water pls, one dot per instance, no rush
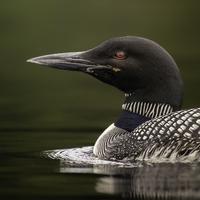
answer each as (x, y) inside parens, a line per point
(26, 174)
(43, 109)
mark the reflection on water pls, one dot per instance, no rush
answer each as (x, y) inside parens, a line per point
(25, 174)
(165, 181)
(138, 180)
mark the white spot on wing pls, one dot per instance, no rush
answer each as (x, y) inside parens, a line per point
(188, 135)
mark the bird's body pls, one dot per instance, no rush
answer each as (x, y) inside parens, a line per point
(176, 134)
(151, 122)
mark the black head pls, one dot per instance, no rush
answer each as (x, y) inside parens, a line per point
(132, 64)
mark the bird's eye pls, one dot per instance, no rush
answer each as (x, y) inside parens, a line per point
(120, 55)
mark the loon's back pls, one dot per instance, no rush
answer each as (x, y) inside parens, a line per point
(171, 136)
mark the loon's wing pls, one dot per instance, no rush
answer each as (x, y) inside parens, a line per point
(178, 133)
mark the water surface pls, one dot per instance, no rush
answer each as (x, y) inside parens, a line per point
(26, 173)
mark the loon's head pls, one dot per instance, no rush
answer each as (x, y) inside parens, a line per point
(134, 65)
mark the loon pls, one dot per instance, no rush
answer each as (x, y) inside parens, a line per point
(151, 121)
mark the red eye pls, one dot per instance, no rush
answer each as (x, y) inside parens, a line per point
(120, 55)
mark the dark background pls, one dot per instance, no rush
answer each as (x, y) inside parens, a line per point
(35, 97)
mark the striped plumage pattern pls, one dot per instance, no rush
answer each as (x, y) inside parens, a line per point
(173, 135)
(150, 110)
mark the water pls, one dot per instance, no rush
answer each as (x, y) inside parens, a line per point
(25, 172)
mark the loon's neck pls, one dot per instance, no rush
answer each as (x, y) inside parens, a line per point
(135, 113)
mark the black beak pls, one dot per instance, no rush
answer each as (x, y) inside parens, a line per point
(74, 61)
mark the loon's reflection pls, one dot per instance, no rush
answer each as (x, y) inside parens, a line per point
(157, 181)
(160, 181)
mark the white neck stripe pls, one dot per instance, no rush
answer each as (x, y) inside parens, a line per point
(151, 110)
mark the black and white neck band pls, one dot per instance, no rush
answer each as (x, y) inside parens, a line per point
(150, 110)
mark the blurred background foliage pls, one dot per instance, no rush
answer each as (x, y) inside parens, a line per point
(36, 97)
